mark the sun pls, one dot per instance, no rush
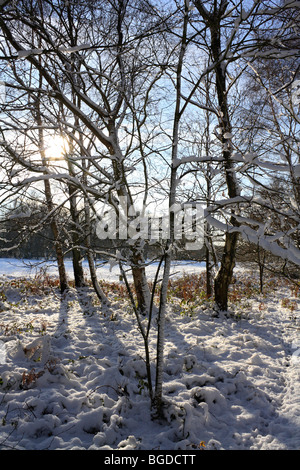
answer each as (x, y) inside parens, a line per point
(56, 148)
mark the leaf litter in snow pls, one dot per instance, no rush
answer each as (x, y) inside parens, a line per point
(74, 377)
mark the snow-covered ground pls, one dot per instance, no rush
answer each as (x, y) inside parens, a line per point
(109, 271)
(73, 377)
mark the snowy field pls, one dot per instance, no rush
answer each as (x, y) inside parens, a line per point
(73, 377)
(109, 271)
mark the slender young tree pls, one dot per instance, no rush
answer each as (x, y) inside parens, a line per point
(169, 249)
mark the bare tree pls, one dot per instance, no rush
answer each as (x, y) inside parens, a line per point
(99, 81)
(115, 78)
(233, 33)
(108, 69)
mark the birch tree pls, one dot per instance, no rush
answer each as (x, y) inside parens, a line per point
(108, 71)
(170, 243)
(236, 35)
(117, 79)
(271, 126)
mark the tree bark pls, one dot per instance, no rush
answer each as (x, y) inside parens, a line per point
(161, 319)
(224, 275)
(141, 285)
(75, 239)
(63, 280)
(88, 243)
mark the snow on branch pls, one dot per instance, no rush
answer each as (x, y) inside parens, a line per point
(267, 165)
(69, 50)
(269, 243)
(249, 158)
(23, 53)
(193, 159)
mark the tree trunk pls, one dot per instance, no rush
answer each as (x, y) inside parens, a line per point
(161, 320)
(208, 272)
(100, 294)
(261, 264)
(141, 288)
(63, 280)
(77, 266)
(213, 21)
(224, 276)
(137, 261)
(97, 288)
(75, 238)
